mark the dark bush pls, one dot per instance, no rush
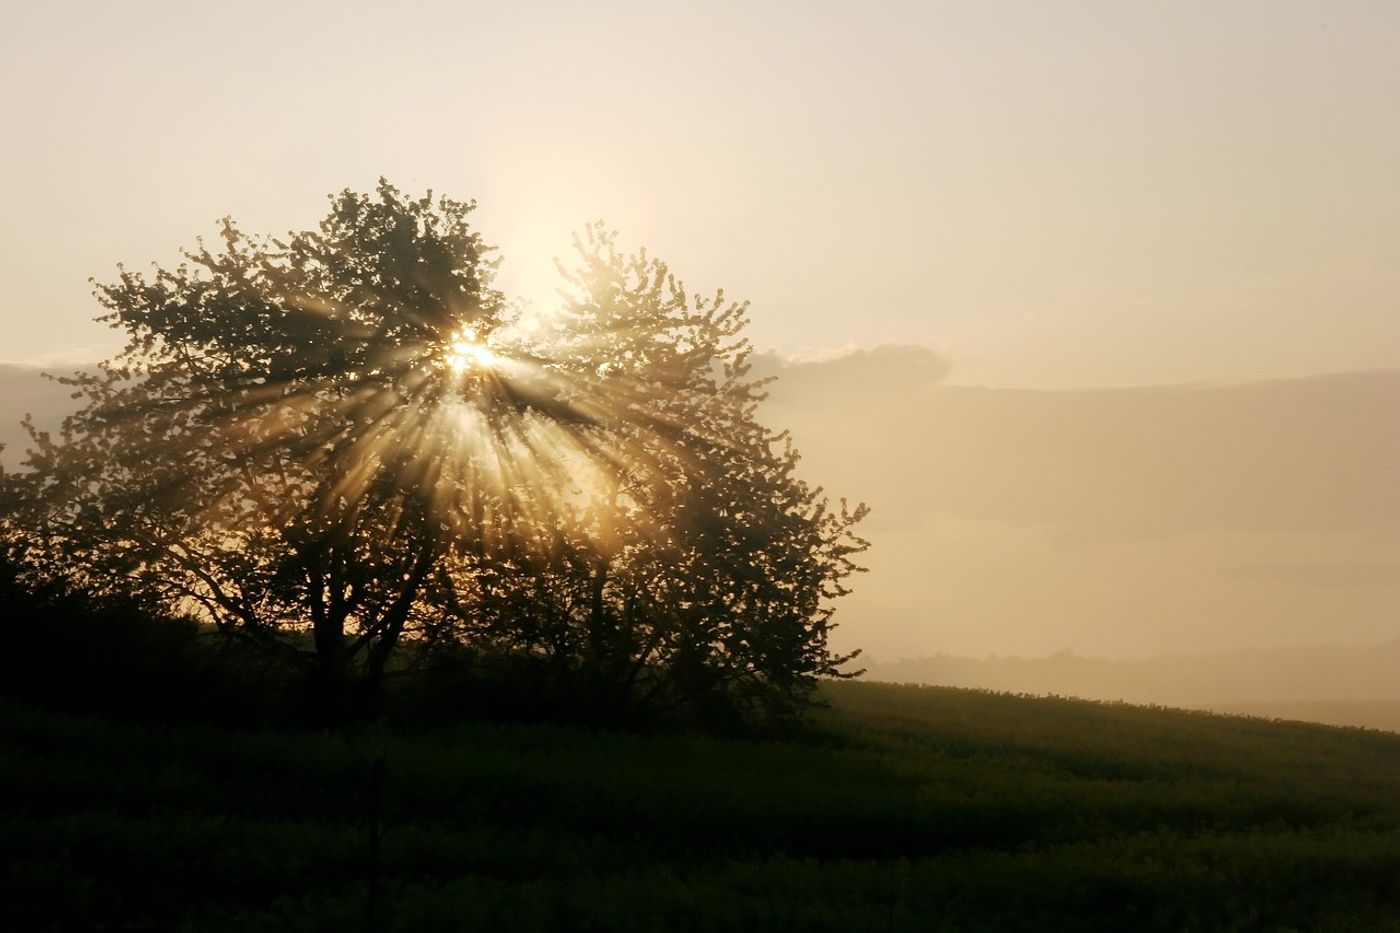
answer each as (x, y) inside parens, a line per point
(70, 650)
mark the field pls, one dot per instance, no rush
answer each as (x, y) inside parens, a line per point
(899, 808)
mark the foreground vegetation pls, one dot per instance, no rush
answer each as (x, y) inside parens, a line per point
(898, 808)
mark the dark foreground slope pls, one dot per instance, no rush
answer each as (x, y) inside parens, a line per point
(903, 809)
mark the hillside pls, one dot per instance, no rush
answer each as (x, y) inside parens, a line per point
(1352, 685)
(899, 809)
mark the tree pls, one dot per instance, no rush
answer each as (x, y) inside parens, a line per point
(271, 449)
(706, 569)
(323, 442)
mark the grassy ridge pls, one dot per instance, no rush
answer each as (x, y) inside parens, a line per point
(901, 808)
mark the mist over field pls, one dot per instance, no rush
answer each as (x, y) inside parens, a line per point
(1191, 545)
(1114, 522)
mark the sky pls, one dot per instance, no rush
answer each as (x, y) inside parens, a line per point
(1061, 195)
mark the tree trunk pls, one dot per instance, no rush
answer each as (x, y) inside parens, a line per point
(328, 638)
(600, 641)
(392, 622)
(598, 636)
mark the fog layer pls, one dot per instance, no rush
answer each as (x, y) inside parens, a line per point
(1114, 523)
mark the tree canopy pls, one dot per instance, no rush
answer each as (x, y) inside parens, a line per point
(342, 440)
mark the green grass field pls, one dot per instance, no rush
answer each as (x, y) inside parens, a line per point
(900, 808)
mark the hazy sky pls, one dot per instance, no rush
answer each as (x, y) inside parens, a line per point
(1050, 194)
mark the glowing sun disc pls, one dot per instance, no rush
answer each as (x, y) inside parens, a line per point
(466, 353)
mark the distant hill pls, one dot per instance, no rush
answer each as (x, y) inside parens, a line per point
(1334, 684)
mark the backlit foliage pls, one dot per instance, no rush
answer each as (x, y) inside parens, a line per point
(330, 441)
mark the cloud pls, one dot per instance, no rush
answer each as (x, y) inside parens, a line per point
(812, 375)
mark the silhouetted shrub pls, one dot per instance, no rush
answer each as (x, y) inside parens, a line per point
(117, 656)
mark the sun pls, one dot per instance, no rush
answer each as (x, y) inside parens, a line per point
(467, 352)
